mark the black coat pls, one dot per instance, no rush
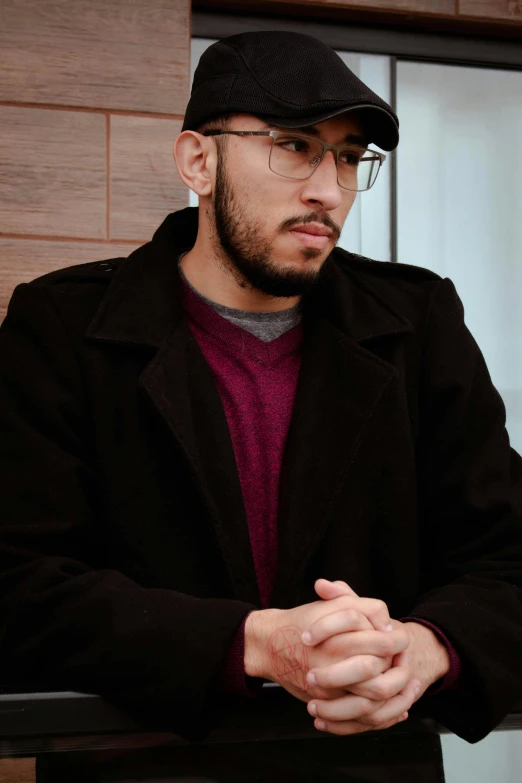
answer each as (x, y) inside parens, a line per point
(125, 562)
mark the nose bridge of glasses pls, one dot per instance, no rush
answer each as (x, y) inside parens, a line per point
(321, 154)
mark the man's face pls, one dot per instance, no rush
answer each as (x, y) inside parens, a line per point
(257, 214)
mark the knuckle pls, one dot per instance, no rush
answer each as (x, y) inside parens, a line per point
(368, 668)
(380, 605)
(325, 680)
(336, 647)
(317, 629)
(382, 691)
(371, 720)
(369, 708)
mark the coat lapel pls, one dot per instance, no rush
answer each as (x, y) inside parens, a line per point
(142, 308)
(340, 383)
(181, 386)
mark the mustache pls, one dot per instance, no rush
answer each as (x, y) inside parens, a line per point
(313, 217)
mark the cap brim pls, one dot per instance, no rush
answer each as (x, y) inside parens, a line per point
(380, 127)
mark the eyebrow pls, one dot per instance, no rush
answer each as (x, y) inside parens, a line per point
(311, 130)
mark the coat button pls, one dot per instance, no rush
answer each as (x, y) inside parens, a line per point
(105, 266)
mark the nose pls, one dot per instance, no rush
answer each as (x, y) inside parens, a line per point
(322, 188)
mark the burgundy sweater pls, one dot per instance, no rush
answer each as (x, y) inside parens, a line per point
(255, 360)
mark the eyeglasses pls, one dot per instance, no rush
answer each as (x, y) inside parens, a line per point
(296, 156)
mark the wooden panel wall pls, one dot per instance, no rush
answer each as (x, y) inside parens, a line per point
(401, 6)
(130, 55)
(53, 172)
(17, 771)
(508, 10)
(142, 172)
(495, 18)
(92, 96)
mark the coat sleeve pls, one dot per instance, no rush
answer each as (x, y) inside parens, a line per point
(65, 624)
(470, 506)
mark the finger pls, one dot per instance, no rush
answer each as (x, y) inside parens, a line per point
(358, 668)
(400, 661)
(385, 686)
(344, 728)
(351, 671)
(339, 621)
(369, 642)
(348, 707)
(344, 584)
(394, 707)
(377, 613)
(379, 719)
(327, 590)
(323, 694)
(373, 609)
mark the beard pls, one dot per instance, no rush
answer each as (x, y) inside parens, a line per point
(245, 252)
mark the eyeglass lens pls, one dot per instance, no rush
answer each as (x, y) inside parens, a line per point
(295, 157)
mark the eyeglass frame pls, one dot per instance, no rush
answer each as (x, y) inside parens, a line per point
(336, 148)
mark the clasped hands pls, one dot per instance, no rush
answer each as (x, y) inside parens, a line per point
(375, 687)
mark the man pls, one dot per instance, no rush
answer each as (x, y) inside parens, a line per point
(241, 434)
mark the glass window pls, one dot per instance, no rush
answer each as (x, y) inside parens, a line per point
(459, 201)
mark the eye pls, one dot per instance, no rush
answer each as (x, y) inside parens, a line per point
(293, 144)
(351, 157)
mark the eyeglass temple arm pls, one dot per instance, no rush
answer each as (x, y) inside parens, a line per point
(216, 132)
(236, 133)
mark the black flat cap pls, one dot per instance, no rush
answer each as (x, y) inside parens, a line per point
(288, 79)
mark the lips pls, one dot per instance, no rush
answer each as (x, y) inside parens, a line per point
(308, 237)
(315, 229)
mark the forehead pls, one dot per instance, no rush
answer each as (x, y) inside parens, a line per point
(341, 126)
(348, 121)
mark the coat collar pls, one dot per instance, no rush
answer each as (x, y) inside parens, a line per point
(142, 305)
(341, 383)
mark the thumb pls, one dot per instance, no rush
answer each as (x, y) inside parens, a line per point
(327, 590)
(400, 659)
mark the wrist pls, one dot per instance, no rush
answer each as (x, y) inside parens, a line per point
(259, 627)
(430, 659)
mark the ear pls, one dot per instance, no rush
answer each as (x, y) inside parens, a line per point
(195, 159)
